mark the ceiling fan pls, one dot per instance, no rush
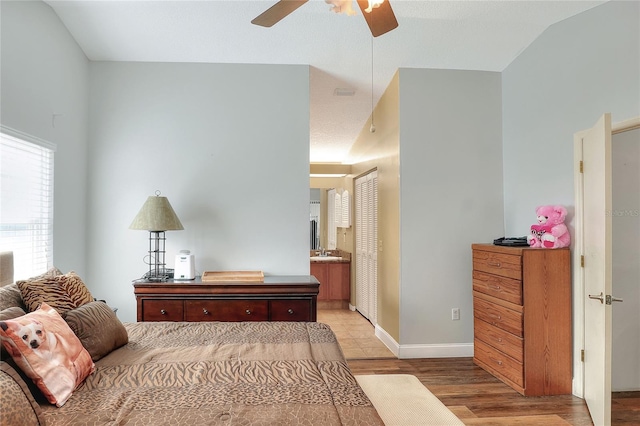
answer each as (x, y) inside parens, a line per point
(377, 13)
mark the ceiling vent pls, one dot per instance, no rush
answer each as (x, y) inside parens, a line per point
(344, 92)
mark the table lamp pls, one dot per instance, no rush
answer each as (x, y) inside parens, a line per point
(156, 216)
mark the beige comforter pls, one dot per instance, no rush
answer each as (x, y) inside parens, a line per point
(221, 373)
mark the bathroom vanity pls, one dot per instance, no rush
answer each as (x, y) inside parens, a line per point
(333, 271)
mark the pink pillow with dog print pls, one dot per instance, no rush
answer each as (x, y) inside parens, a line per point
(45, 348)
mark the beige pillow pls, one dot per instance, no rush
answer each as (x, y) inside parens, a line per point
(11, 313)
(48, 352)
(10, 296)
(98, 328)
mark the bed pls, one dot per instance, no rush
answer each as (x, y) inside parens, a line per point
(179, 373)
(220, 373)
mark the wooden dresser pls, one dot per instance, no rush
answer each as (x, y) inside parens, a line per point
(278, 298)
(522, 317)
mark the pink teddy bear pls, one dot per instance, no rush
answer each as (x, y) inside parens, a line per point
(550, 231)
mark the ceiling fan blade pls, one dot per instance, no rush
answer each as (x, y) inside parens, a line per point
(277, 12)
(381, 19)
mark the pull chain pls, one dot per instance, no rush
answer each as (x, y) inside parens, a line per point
(372, 129)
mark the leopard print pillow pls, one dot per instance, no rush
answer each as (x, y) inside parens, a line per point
(17, 405)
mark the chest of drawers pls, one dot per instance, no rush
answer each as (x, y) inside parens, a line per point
(278, 298)
(522, 317)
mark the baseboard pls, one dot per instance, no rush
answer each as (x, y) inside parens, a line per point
(438, 350)
(387, 340)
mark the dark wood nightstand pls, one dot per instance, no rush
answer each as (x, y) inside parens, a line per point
(278, 298)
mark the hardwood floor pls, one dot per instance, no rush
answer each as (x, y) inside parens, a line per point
(478, 398)
(625, 408)
(471, 393)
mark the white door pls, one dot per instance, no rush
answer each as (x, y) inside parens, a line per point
(597, 272)
(366, 195)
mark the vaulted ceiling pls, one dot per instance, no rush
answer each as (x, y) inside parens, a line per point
(473, 35)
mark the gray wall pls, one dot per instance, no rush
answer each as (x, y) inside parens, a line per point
(562, 83)
(577, 70)
(212, 138)
(44, 72)
(227, 144)
(450, 196)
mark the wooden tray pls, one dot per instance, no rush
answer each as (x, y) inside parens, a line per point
(226, 276)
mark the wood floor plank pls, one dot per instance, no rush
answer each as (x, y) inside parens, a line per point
(550, 420)
(462, 412)
(476, 396)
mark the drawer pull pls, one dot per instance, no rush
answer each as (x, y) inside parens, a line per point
(496, 316)
(496, 287)
(499, 339)
(248, 312)
(494, 264)
(205, 311)
(163, 312)
(497, 361)
(290, 311)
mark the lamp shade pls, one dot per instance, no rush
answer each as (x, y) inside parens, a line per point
(156, 214)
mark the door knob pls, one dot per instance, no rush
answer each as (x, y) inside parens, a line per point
(609, 299)
(605, 299)
(599, 297)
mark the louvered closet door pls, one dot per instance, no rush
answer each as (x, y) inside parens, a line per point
(373, 249)
(362, 303)
(366, 245)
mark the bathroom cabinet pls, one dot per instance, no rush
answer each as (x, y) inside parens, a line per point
(335, 283)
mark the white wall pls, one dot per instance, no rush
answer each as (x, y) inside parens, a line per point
(625, 216)
(227, 144)
(44, 72)
(450, 197)
(577, 70)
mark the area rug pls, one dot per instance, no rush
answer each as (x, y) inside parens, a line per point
(401, 400)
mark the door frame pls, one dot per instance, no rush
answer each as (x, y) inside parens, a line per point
(578, 273)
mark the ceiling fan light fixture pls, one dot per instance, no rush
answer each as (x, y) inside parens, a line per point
(341, 6)
(373, 4)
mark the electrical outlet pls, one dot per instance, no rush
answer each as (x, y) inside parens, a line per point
(455, 314)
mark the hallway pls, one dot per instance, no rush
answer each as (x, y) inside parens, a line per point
(355, 334)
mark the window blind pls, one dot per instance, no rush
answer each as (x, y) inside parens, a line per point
(26, 201)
